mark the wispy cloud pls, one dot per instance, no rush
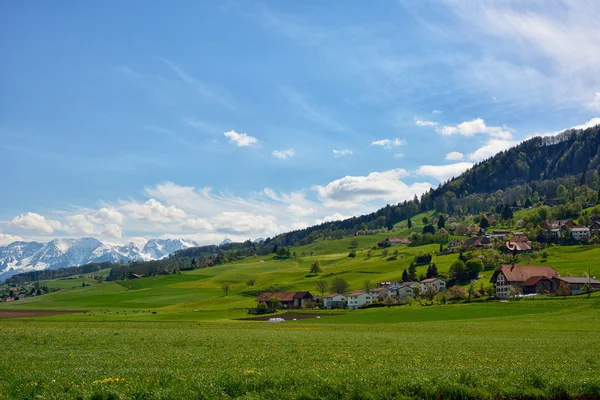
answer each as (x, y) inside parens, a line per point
(342, 152)
(283, 154)
(220, 96)
(535, 52)
(421, 122)
(308, 111)
(241, 139)
(388, 143)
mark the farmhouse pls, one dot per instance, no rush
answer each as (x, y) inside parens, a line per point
(580, 233)
(531, 279)
(439, 284)
(478, 242)
(334, 301)
(576, 283)
(287, 299)
(359, 298)
(516, 247)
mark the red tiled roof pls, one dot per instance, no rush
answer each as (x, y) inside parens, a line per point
(520, 239)
(521, 273)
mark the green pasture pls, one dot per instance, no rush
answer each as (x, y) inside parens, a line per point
(534, 349)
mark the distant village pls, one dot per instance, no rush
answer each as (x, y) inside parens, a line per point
(509, 281)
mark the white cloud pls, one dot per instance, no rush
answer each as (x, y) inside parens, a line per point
(443, 172)
(109, 215)
(154, 211)
(387, 185)
(473, 127)
(5, 238)
(399, 156)
(388, 143)
(200, 224)
(243, 222)
(35, 223)
(421, 122)
(241, 139)
(333, 217)
(283, 154)
(112, 231)
(342, 152)
(491, 148)
(455, 156)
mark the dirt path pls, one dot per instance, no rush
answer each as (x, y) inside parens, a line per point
(32, 313)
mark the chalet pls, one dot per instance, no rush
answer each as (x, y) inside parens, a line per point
(287, 299)
(134, 276)
(439, 284)
(576, 283)
(334, 301)
(580, 233)
(557, 224)
(359, 298)
(515, 247)
(478, 242)
(393, 241)
(531, 279)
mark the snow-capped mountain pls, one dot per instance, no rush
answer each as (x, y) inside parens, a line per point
(19, 257)
(226, 241)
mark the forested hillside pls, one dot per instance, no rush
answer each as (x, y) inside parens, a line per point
(529, 173)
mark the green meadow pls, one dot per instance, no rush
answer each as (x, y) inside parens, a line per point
(180, 337)
(533, 349)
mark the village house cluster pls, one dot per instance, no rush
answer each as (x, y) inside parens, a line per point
(354, 299)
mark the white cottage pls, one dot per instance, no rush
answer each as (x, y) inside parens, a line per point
(359, 298)
(439, 284)
(334, 301)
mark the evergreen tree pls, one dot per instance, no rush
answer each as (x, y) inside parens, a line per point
(412, 272)
(409, 223)
(484, 223)
(441, 222)
(404, 276)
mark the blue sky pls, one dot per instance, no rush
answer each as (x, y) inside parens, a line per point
(243, 119)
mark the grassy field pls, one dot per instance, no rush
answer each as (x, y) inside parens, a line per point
(180, 337)
(526, 349)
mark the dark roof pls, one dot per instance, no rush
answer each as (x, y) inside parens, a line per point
(284, 296)
(534, 280)
(576, 279)
(521, 273)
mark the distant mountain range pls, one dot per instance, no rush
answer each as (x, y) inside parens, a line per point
(20, 257)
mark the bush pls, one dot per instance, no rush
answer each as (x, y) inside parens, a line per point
(456, 293)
